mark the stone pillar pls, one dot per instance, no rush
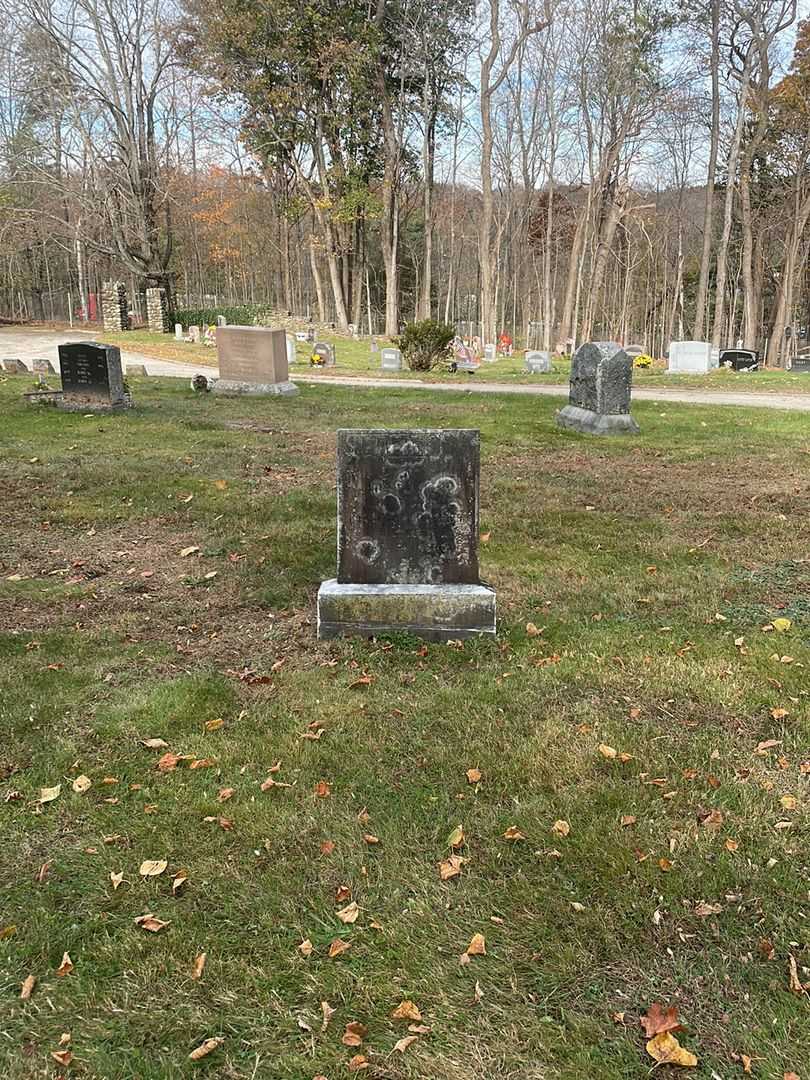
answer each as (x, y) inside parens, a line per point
(157, 312)
(114, 306)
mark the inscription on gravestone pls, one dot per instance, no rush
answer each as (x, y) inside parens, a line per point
(408, 506)
(391, 360)
(92, 377)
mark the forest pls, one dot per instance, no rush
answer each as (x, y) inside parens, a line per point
(561, 170)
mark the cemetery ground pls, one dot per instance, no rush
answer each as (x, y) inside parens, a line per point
(237, 833)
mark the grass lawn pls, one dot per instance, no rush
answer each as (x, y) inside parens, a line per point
(650, 568)
(354, 358)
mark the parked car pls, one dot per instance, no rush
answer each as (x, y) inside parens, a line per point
(740, 359)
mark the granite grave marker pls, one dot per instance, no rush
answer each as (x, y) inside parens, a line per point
(599, 395)
(407, 537)
(538, 362)
(696, 357)
(391, 360)
(92, 378)
(252, 360)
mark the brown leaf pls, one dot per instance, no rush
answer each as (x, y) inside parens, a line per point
(116, 879)
(477, 946)
(607, 751)
(271, 783)
(151, 923)
(27, 988)
(152, 867)
(342, 892)
(703, 909)
(731, 845)
(349, 914)
(666, 1050)
(473, 776)
(81, 784)
(357, 1063)
(198, 966)
(418, 1029)
(306, 948)
(794, 980)
(206, 1048)
(214, 725)
(766, 949)
(65, 967)
(450, 867)
(406, 1010)
(514, 833)
(627, 819)
(328, 1013)
(323, 789)
(402, 1044)
(665, 864)
(224, 794)
(371, 839)
(202, 763)
(354, 1034)
(178, 881)
(561, 828)
(327, 847)
(63, 1057)
(747, 1062)
(659, 1020)
(337, 947)
(364, 680)
(169, 761)
(713, 821)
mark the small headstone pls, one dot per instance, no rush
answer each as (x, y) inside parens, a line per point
(538, 362)
(137, 370)
(490, 353)
(221, 320)
(42, 367)
(800, 365)
(200, 384)
(252, 360)
(407, 537)
(374, 347)
(391, 360)
(311, 333)
(695, 357)
(599, 398)
(92, 379)
(326, 352)
(195, 333)
(178, 331)
(292, 354)
(14, 367)
(301, 335)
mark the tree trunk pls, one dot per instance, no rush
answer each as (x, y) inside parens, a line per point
(708, 212)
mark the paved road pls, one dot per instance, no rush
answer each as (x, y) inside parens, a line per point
(27, 345)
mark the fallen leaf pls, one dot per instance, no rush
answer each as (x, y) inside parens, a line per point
(224, 794)
(713, 821)
(168, 762)
(779, 714)
(328, 1013)
(354, 1034)
(665, 865)
(48, 794)
(793, 976)
(214, 725)
(418, 1029)
(747, 1062)
(478, 993)
(206, 1048)
(65, 967)
(627, 819)
(371, 839)
(477, 946)
(364, 680)
(342, 892)
(731, 845)
(514, 833)
(81, 784)
(357, 1063)
(402, 1044)
(178, 881)
(607, 751)
(781, 625)
(575, 904)
(327, 847)
(116, 879)
(450, 867)
(184, 554)
(789, 802)
(322, 789)
(703, 909)
(456, 838)
(561, 828)
(155, 744)
(337, 947)
(763, 747)
(27, 988)
(202, 763)
(349, 914)
(152, 867)
(532, 630)
(406, 1010)
(473, 776)
(198, 966)
(150, 923)
(63, 1057)
(658, 1020)
(306, 948)
(666, 1050)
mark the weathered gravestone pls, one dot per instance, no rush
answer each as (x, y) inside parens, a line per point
(178, 331)
(407, 537)
(42, 367)
(538, 362)
(14, 367)
(800, 365)
(221, 320)
(195, 333)
(137, 370)
(326, 352)
(391, 360)
(599, 397)
(692, 356)
(292, 354)
(490, 353)
(92, 379)
(252, 360)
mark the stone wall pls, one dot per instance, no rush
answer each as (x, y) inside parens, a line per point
(157, 311)
(114, 306)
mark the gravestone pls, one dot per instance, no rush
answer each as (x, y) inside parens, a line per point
(538, 361)
(157, 310)
(92, 379)
(195, 334)
(252, 360)
(696, 357)
(391, 360)
(137, 370)
(301, 335)
(800, 365)
(407, 504)
(114, 313)
(14, 367)
(221, 320)
(490, 354)
(42, 367)
(292, 354)
(373, 346)
(178, 331)
(326, 352)
(599, 396)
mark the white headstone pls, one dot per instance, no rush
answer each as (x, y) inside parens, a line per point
(194, 334)
(221, 320)
(290, 349)
(301, 335)
(391, 360)
(178, 331)
(694, 357)
(538, 362)
(490, 354)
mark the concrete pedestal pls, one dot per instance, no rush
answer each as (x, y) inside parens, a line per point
(589, 422)
(432, 612)
(234, 388)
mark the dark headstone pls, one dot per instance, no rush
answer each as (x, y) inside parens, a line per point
(599, 394)
(801, 365)
(92, 378)
(408, 506)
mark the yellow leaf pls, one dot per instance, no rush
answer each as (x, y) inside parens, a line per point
(205, 1048)
(406, 1010)
(214, 725)
(607, 751)
(779, 714)
(349, 914)
(781, 625)
(789, 802)
(116, 879)
(514, 833)
(561, 828)
(477, 946)
(152, 867)
(48, 794)
(81, 784)
(456, 838)
(532, 630)
(666, 1050)
(178, 881)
